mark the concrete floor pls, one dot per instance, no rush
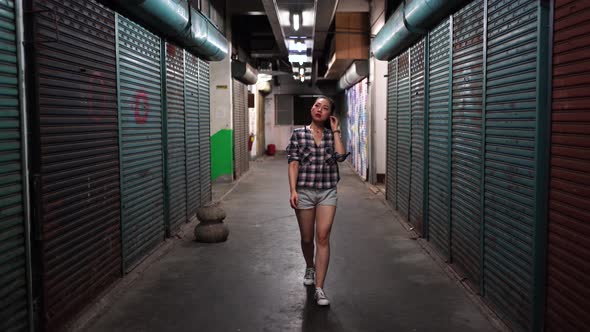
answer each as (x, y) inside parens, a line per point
(379, 278)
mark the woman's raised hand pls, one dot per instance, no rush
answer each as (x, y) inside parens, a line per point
(334, 122)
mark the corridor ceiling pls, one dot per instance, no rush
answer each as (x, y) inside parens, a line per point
(284, 37)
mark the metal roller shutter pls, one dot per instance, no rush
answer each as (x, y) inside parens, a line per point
(175, 113)
(467, 140)
(391, 176)
(77, 164)
(417, 154)
(240, 120)
(568, 293)
(205, 131)
(438, 137)
(193, 158)
(140, 103)
(510, 127)
(14, 313)
(403, 134)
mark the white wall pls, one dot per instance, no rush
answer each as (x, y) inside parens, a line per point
(277, 135)
(378, 92)
(221, 94)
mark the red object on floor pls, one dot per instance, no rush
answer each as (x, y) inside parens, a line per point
(271, 149)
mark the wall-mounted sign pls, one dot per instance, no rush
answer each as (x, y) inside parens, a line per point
(221, 87)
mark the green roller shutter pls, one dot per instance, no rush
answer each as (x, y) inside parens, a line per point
(510, 126)
(403, 135)
(391, 176)
(417, 126)
(205, 131)
(193, 148)
(438, 136)
(467, 140)
(176, 160)
(13, 262)
(141, 136)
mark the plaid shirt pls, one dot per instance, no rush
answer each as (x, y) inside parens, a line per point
(318, 168)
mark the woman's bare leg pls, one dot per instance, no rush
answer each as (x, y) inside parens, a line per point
(324, 219)
(306, 220)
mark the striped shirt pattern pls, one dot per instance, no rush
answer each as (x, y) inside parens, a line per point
(318, 167)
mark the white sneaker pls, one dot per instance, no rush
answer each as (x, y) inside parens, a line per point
(321, 298)
(309, 277)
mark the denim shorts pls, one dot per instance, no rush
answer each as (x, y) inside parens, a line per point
(310, 198)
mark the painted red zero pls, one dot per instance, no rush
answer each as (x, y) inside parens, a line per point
(142, 108)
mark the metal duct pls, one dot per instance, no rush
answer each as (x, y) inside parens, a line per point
(244, 73)
(264, 87)
(178, 21)
(356, 72)
(410, 21)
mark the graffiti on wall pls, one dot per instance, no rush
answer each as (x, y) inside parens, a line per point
(356, 99)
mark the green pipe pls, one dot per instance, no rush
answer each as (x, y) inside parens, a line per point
(178, 21)
(410, 21)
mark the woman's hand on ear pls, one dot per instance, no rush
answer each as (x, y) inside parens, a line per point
(334, 122)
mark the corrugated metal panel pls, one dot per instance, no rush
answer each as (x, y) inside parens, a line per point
(13, 259)
(438, 136)
(240, 121)
(467, 140)
(391, 175)
(79, 156)
(510, 117)
(417, 168)
(205, 131)
(142, 153)
(404, 128)
(175, 112)
(193, 147)
(568, 292)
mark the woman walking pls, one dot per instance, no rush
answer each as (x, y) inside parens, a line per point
(313, 153)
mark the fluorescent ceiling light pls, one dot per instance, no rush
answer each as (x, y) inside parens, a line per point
(302, 79)
(307, 18)
(284, 17)
(295, 46)
(264, 77)
(296, 22)
(301, 71)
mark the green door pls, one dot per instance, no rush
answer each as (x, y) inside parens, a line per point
(404, 140)
(204, 131)
(438, 137)
(14, 290)
(140, 103)
(193, 137)
(467, 140)
(416, 215)
(176, 142)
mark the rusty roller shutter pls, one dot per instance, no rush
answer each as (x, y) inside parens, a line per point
(391, 175)
(438, 137)
(78, 198)
(140, 100)
(240, 119)
(205, 131)
(467, 140)
(568, 290)
(510, 127)
(175, 113)
(14, 315)
(404, 129)
(417, 136)
(193, 176)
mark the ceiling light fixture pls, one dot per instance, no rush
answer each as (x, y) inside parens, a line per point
(302, 78)
(296, 22)
(302, 71)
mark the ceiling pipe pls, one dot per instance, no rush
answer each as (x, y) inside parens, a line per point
(178, 21)
(411, 21)
(354, 74)
(244, 73)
